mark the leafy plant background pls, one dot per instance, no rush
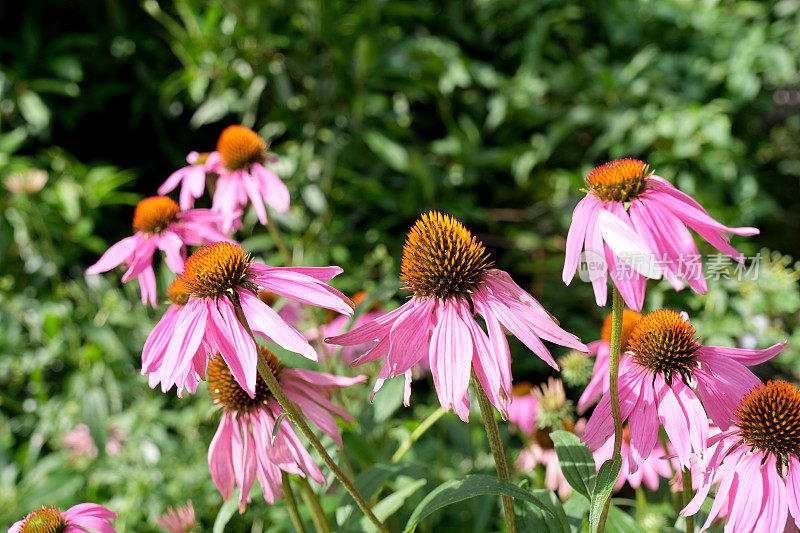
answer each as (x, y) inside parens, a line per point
(492, 111)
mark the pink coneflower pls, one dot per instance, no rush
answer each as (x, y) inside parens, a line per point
(73, 520)
(636, 222)
(756, 463)
(449, 272)
(650, 469)
(243, 176)
(664, 358)
(219, 278)
(180, 520)
(537, 412)
(602, 351)
(192, 178)
(242, 450)
(159, 223)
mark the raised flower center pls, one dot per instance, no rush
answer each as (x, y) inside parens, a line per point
(178, 292)
(154, 214)
(225, 391)
(441, 258)
(215, 270)
(768, 419)
(240, 147)
(629, 321)
(619, 181)
(664, 343)
(45, 520)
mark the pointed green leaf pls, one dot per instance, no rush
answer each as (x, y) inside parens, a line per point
(606, 478)
(577, 462)
(457, 490)
(276, 427)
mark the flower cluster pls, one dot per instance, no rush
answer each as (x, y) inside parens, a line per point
(669, 405)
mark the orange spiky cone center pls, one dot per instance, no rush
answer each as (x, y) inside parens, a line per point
(664, 343)
(768, 419)
(241, 147)
(442, 258)
(154, 214)
(618, 181)
(45, 520)
(215, 270)
(228, 395)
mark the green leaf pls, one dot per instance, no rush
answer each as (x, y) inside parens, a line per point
(34, 110)
(576, 508)
(457, 490)
(577, 462)
(394, 154)
(276, 427)
(606, 478)
(390, 504)
(370, 481)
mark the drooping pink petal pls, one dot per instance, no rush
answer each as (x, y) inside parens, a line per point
(745, 357)
(721, 384)
(620, 235)
(793, 489)
(267, 323)
(450, 355)
(324, 380)
(408, 337)
(235, 345)
(89, 509)
(643, 427)
(174, 249)
(581, 217)
(220, 458)
(374, 330)
(487, 368)
(186, 338)
(272, 188)
(304, 289)
(595, 253)
(119, 253)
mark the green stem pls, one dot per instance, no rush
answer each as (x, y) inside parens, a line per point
(291, 503)
(279, 242)
(688, 494)
(417, 433)
(312, 502)
(496, 445)
(617, 306)
(299, 421)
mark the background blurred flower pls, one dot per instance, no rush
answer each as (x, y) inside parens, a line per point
(178, 520)
(26, 181)
(79, 442)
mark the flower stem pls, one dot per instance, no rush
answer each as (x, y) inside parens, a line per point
(312, 502)
(613, 384)
(417, 433)
(688, 494)
(291, 503)
(297, 419)
(493, 433)
(279, 242)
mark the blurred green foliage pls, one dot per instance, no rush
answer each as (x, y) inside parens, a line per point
(492, 111)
